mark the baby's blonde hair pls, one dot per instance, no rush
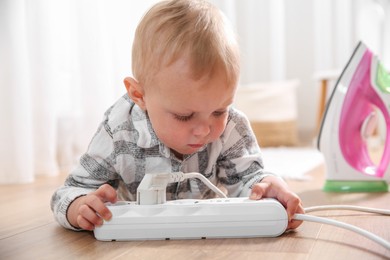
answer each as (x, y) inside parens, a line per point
(171, 29)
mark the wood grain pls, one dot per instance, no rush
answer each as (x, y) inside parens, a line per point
(28, 231)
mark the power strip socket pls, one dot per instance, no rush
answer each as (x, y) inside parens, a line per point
(194, 219)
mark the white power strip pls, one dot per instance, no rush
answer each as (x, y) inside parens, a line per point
(194, 219)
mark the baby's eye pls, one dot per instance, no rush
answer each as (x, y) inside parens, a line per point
(219, 113)
(183, 118)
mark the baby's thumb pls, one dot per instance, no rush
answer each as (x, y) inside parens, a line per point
(259, 190)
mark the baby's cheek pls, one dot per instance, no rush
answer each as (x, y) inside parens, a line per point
(217, 132)
(222, 125)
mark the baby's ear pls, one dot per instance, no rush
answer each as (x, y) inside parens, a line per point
(135, 91)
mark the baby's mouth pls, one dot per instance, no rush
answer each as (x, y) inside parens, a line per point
(197, 146)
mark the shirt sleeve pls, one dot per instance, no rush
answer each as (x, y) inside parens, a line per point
(95, 168)
(240, 162)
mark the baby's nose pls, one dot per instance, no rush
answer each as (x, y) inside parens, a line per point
(202, 128)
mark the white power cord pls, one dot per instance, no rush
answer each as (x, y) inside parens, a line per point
(348, 207)
(183, 176)
(358, 230)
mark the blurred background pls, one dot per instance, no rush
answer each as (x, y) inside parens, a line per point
(62, 64)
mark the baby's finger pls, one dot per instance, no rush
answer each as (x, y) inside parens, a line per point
(294, 224)
(97, 206)
(259, 190)
(84, 224)
(90, 215)
(294, 206)
(106, 193)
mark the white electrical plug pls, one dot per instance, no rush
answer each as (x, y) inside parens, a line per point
(152, 189)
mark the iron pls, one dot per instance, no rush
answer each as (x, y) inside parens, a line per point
(360, 94)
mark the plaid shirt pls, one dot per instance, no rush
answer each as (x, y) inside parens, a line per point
(125, 147)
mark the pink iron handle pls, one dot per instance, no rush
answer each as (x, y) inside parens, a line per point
(357, 110)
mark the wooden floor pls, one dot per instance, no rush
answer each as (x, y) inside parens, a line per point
(28, 231)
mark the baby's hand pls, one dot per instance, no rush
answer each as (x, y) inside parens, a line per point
(88, 212)
(274, 187)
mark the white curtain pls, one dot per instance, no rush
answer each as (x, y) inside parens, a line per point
(62, 63)
(61, 66)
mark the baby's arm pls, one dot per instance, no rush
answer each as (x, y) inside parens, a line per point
(91, 183)
(88, 211)
(79, 203)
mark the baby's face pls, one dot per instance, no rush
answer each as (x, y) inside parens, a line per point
(187, 114)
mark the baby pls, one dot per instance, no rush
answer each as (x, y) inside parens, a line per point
(177, 115)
